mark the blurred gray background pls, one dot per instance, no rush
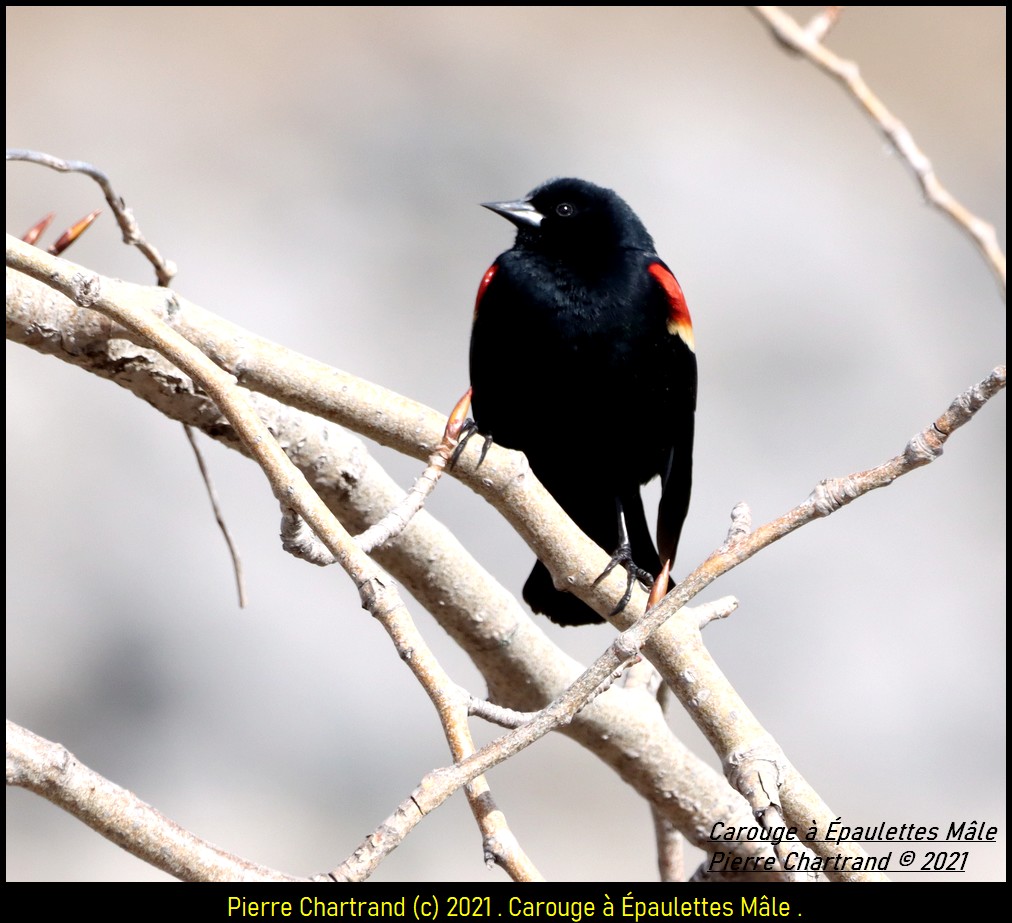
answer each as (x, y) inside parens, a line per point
(315, 174)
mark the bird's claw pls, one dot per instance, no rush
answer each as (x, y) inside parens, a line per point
(468, 429)
(623, 556)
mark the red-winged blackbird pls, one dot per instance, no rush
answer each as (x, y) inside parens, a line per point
(582, 357)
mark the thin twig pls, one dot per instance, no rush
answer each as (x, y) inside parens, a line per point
(216, 506)
(498, 714)
(165, 270)
(299, 541)
(670, 848)
(807, 42)
(819, 25)
(396, 521)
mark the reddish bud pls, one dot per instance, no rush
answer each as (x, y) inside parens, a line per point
(73, 232)
(457, 417)
(36, 231)
(660, 588)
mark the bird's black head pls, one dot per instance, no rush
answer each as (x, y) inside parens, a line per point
(568, 217)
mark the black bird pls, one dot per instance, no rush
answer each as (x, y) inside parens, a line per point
(582, 357)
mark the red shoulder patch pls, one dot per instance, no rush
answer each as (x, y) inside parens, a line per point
(679, 321)
(483, 287)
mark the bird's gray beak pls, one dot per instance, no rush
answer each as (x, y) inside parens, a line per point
(521, 213)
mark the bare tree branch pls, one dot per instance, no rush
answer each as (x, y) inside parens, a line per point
(808, 42)
(113, 299)
(522, 667)
(51, 771)
(165, 270)
(746, 744)
(754, 763)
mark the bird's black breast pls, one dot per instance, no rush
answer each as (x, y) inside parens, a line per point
(576, 360)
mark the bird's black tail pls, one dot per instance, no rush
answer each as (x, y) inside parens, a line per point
(565, 608)
(562, 608)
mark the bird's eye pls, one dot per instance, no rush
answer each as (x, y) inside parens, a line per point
(564, 210)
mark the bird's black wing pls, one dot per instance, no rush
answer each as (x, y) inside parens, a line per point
(679, 399)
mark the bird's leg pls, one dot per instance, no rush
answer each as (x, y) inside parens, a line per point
(468, 429)
(623, 555)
